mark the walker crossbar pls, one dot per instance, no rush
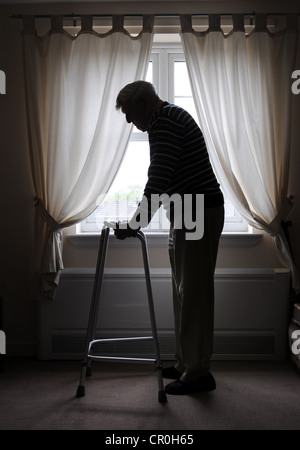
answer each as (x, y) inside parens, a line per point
(120, 358)
(90, 338)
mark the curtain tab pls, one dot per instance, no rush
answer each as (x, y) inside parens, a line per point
(28, 25)
(118, 23)
(57, 24)
(214, 22)
(148, 23)
(186, 23)
(261, 22)
(86, 24)
(238, 22)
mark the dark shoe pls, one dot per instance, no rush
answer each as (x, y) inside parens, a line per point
(171, 372)
(202, 384)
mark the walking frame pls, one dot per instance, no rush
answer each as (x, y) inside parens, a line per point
(89, 355)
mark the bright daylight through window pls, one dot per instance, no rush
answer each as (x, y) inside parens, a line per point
(168, 72)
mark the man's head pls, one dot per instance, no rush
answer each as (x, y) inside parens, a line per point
(137, 101)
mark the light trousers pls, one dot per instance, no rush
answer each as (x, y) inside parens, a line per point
(193, 265)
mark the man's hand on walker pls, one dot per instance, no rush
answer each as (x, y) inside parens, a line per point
(124, 231)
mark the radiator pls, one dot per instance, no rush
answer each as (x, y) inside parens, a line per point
(251, 314)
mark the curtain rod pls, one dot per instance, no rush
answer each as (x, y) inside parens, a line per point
(77, 16)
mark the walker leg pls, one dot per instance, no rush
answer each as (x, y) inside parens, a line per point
(88, 372)
(86, 369)
(81, 388)
(80, 391)
(162, 398)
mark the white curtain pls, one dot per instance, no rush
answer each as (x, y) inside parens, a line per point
(76, 137)
(242, 90)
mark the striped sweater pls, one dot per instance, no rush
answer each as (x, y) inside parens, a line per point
(179, 161)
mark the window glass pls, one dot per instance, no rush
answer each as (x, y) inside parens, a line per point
(168, 68)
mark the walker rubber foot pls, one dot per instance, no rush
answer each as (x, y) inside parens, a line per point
(162, 397)
(80, 391)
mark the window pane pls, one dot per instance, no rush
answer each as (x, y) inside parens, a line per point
(127, 189)
(134, 169)
(181, 80)
(149, 76)
(182, 89)
(128, 186)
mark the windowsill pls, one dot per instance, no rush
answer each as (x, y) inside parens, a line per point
(228, 239)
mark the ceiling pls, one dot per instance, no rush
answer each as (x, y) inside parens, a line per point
(275, 5)
(39, 2)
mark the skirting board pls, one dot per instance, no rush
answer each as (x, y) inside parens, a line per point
(251, 314)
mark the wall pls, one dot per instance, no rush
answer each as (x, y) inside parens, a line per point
(124, 312)
(17, 194)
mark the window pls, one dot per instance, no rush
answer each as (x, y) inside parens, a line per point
(168, 72)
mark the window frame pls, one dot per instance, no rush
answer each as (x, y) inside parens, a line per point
(163, 58)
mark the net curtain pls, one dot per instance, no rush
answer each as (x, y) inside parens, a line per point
(76, 137)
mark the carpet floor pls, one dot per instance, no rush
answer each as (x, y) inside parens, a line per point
(250, 395)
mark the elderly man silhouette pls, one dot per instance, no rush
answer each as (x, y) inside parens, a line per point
(179, 164)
